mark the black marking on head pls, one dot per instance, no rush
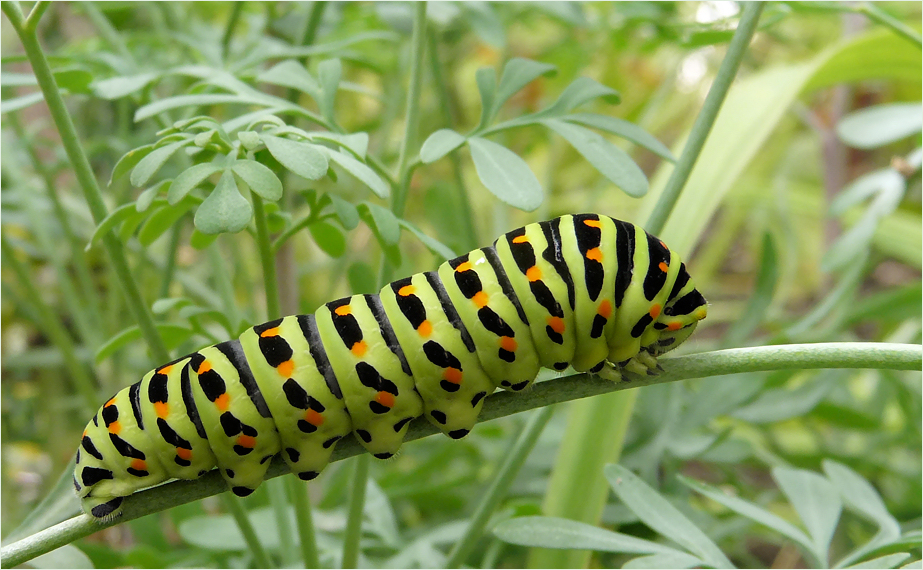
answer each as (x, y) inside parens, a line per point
(106, 509)
(90, 448)
(76, 484)
(686, 304)
(682, 277)
(655, 279)
(93, 475)
(126, 449)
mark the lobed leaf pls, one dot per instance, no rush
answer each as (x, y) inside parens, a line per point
(506, 175)
(303, 159)
(225, 210)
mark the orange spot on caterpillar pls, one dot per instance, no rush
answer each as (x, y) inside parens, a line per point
(184, 453)
(533, 273)
(110, 402)
(480, 299)
(663, 266)
(674, 326)
(115, 427)
(520, 239)
(453, 375)
(359, 348)
(206, 366)
(655, 311)
(344, 310)
(223, 401)
(286, 368)
(508, 343)
(593, 223)
(246, 441)
(466, 266)
(425, 328)
(274, 331)
(313, 418)
(84, 433)
(605, 309)
(664, 245)
(162, 409)
(139, 464)
(165, 370)
(595, 254)
(386, 399)
(406, 290)
(556, 324)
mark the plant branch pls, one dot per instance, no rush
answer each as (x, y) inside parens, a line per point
(850, 355)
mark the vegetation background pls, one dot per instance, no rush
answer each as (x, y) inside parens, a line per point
(259, 159)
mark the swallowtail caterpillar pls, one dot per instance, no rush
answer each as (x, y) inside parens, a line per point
(587, 291)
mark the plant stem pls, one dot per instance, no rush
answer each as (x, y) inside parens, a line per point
(85, 178)
(237, 511)
(236, 8)
(356, 507)
(706, 118)
(877, 14)
(278, 498)
(831, 355)
(298, 491)
(273, 308)
(500, 484)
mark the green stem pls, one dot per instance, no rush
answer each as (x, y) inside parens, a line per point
(843, 355)
(85, 177)
(236, 8)
(105, 29)
(706, 118)
(500, 484)
(278, 498)
(237, 511)
(170, 265)
(273, 307)
(77, 369)
(356, 507)
(224, 285)
(411, 115)
(298, 491)
(875, 13)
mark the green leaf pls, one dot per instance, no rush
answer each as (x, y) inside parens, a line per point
(225, 210)
(260, 178)
(150, 164)
(67, 556)
(200, 241)
(611, 161)
(755, 311)
(146, 198)
(860, 495)
(675, 559)
(866, 186)
(817, 502)
(439, 144)
(291, 74)
(189, 179)
(506, 175)
(657, 513)
(485, 23)
(580, 91)
(329, 72)
(17, 103)
(622, 128)
(118, 87)
(434, 245)
(554, 532)
(329, 238)
(129, 160)
(517, 73)
(362, 278)
(781, 403)
(164, 306)
(880, 125)
(386, 228)
(345, 211)
(888, 561)
(361, 172)
(181, 101)
(303, 159)
(114, 218)
(486, 79)
(173, 336)
(749, 510)
(161, 220)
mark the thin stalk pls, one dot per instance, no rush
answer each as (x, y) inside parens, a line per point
(875, 13)
(278, 498)
(831, 355)
(170, 265)
(298, 491)
(106, 30)
(85, 177)
(224, 284)
(706, 118)
(273, 307)
(500, 484)
(237, 511)
(442, 91)
(236, 8)
(356, 507)
(51, 326)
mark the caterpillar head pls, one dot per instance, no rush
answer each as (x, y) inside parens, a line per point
(684, 308)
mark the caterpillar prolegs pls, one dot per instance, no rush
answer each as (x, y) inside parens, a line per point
(584, 290)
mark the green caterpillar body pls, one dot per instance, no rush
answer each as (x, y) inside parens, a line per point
(583, 290)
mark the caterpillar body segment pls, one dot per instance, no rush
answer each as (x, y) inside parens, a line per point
(584, 290)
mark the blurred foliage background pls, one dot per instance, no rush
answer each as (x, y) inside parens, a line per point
(800, 223)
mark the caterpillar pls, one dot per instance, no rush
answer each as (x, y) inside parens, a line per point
(587, 291)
